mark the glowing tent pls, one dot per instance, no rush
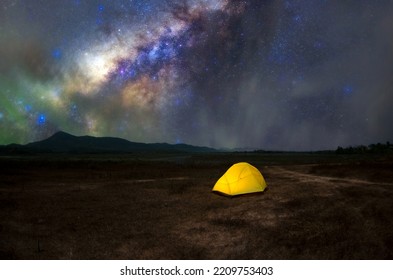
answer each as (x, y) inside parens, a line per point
(240, 178)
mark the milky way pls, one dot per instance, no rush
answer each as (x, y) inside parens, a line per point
(285, 75)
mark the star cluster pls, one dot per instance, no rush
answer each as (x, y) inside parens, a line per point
(267, 74)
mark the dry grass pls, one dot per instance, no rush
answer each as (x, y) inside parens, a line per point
(161, 207)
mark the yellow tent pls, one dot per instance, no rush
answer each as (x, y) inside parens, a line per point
(240, 178)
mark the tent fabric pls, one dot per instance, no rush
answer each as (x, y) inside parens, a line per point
(240, 178)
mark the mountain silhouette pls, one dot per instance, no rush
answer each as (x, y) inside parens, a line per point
(62, 142)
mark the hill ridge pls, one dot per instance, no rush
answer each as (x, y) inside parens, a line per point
(63, 142)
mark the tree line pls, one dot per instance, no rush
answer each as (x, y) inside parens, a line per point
(378, 148)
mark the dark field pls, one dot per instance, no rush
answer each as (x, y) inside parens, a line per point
(161, 207)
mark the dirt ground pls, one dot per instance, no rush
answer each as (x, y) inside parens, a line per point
(161, 207)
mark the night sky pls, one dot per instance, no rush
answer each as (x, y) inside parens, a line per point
(286, 75)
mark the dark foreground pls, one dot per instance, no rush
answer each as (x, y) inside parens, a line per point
(161, 207)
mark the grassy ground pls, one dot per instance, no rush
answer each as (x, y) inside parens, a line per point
(161, 207)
